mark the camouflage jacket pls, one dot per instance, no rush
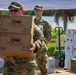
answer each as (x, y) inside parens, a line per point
(46, 27)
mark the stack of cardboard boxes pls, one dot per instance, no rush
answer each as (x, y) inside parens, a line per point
(70, 47)
(16, 34)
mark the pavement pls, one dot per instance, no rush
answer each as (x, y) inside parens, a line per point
(61, 71)
(58, 71)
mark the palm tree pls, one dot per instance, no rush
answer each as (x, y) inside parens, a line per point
(66, 15)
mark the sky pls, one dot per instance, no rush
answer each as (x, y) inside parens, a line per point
(47, 4)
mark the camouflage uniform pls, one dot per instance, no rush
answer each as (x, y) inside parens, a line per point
(24, 66)
(41, 56)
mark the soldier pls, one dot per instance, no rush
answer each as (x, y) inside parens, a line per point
(46, 27)
(23, 65)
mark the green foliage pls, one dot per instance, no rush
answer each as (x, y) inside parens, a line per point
(5, 12)
(54, 35)
(48, 12)
(51, 46)
(50, 52)
(50, 49)
(30, 12)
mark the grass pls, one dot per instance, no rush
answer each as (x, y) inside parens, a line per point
(51, 46)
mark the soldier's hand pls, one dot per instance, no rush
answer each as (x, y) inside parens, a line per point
(32, 47)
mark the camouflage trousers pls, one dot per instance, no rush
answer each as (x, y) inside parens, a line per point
(41, 62)
(19, 66)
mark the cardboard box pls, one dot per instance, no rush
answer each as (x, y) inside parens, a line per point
(67, 64)
(69, 48)
(16, 24)
(69, 39)
(16, 53)
(74, 33)
(74, 54)
(74, 48)
(70, 32)
(73, 64)
(68, 56)
(50, 65)
(16, 33)
(15, 44)
(74, 41)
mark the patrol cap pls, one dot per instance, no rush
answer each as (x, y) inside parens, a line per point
(38, 7)
(17, 5)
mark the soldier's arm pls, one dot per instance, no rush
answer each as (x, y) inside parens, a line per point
(48, 31)
(38, 38)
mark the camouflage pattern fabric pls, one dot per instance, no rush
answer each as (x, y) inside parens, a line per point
(23, 66)
(41, 59)
(41, 56)
(19, 66)
(45, 27)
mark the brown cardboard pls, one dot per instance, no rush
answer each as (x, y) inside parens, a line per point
(15, 44)
(16, 33)
(16, 53)
(16, 24)
(73, 64)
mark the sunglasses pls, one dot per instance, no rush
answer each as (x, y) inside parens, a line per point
(37, 10)
(15, 10)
